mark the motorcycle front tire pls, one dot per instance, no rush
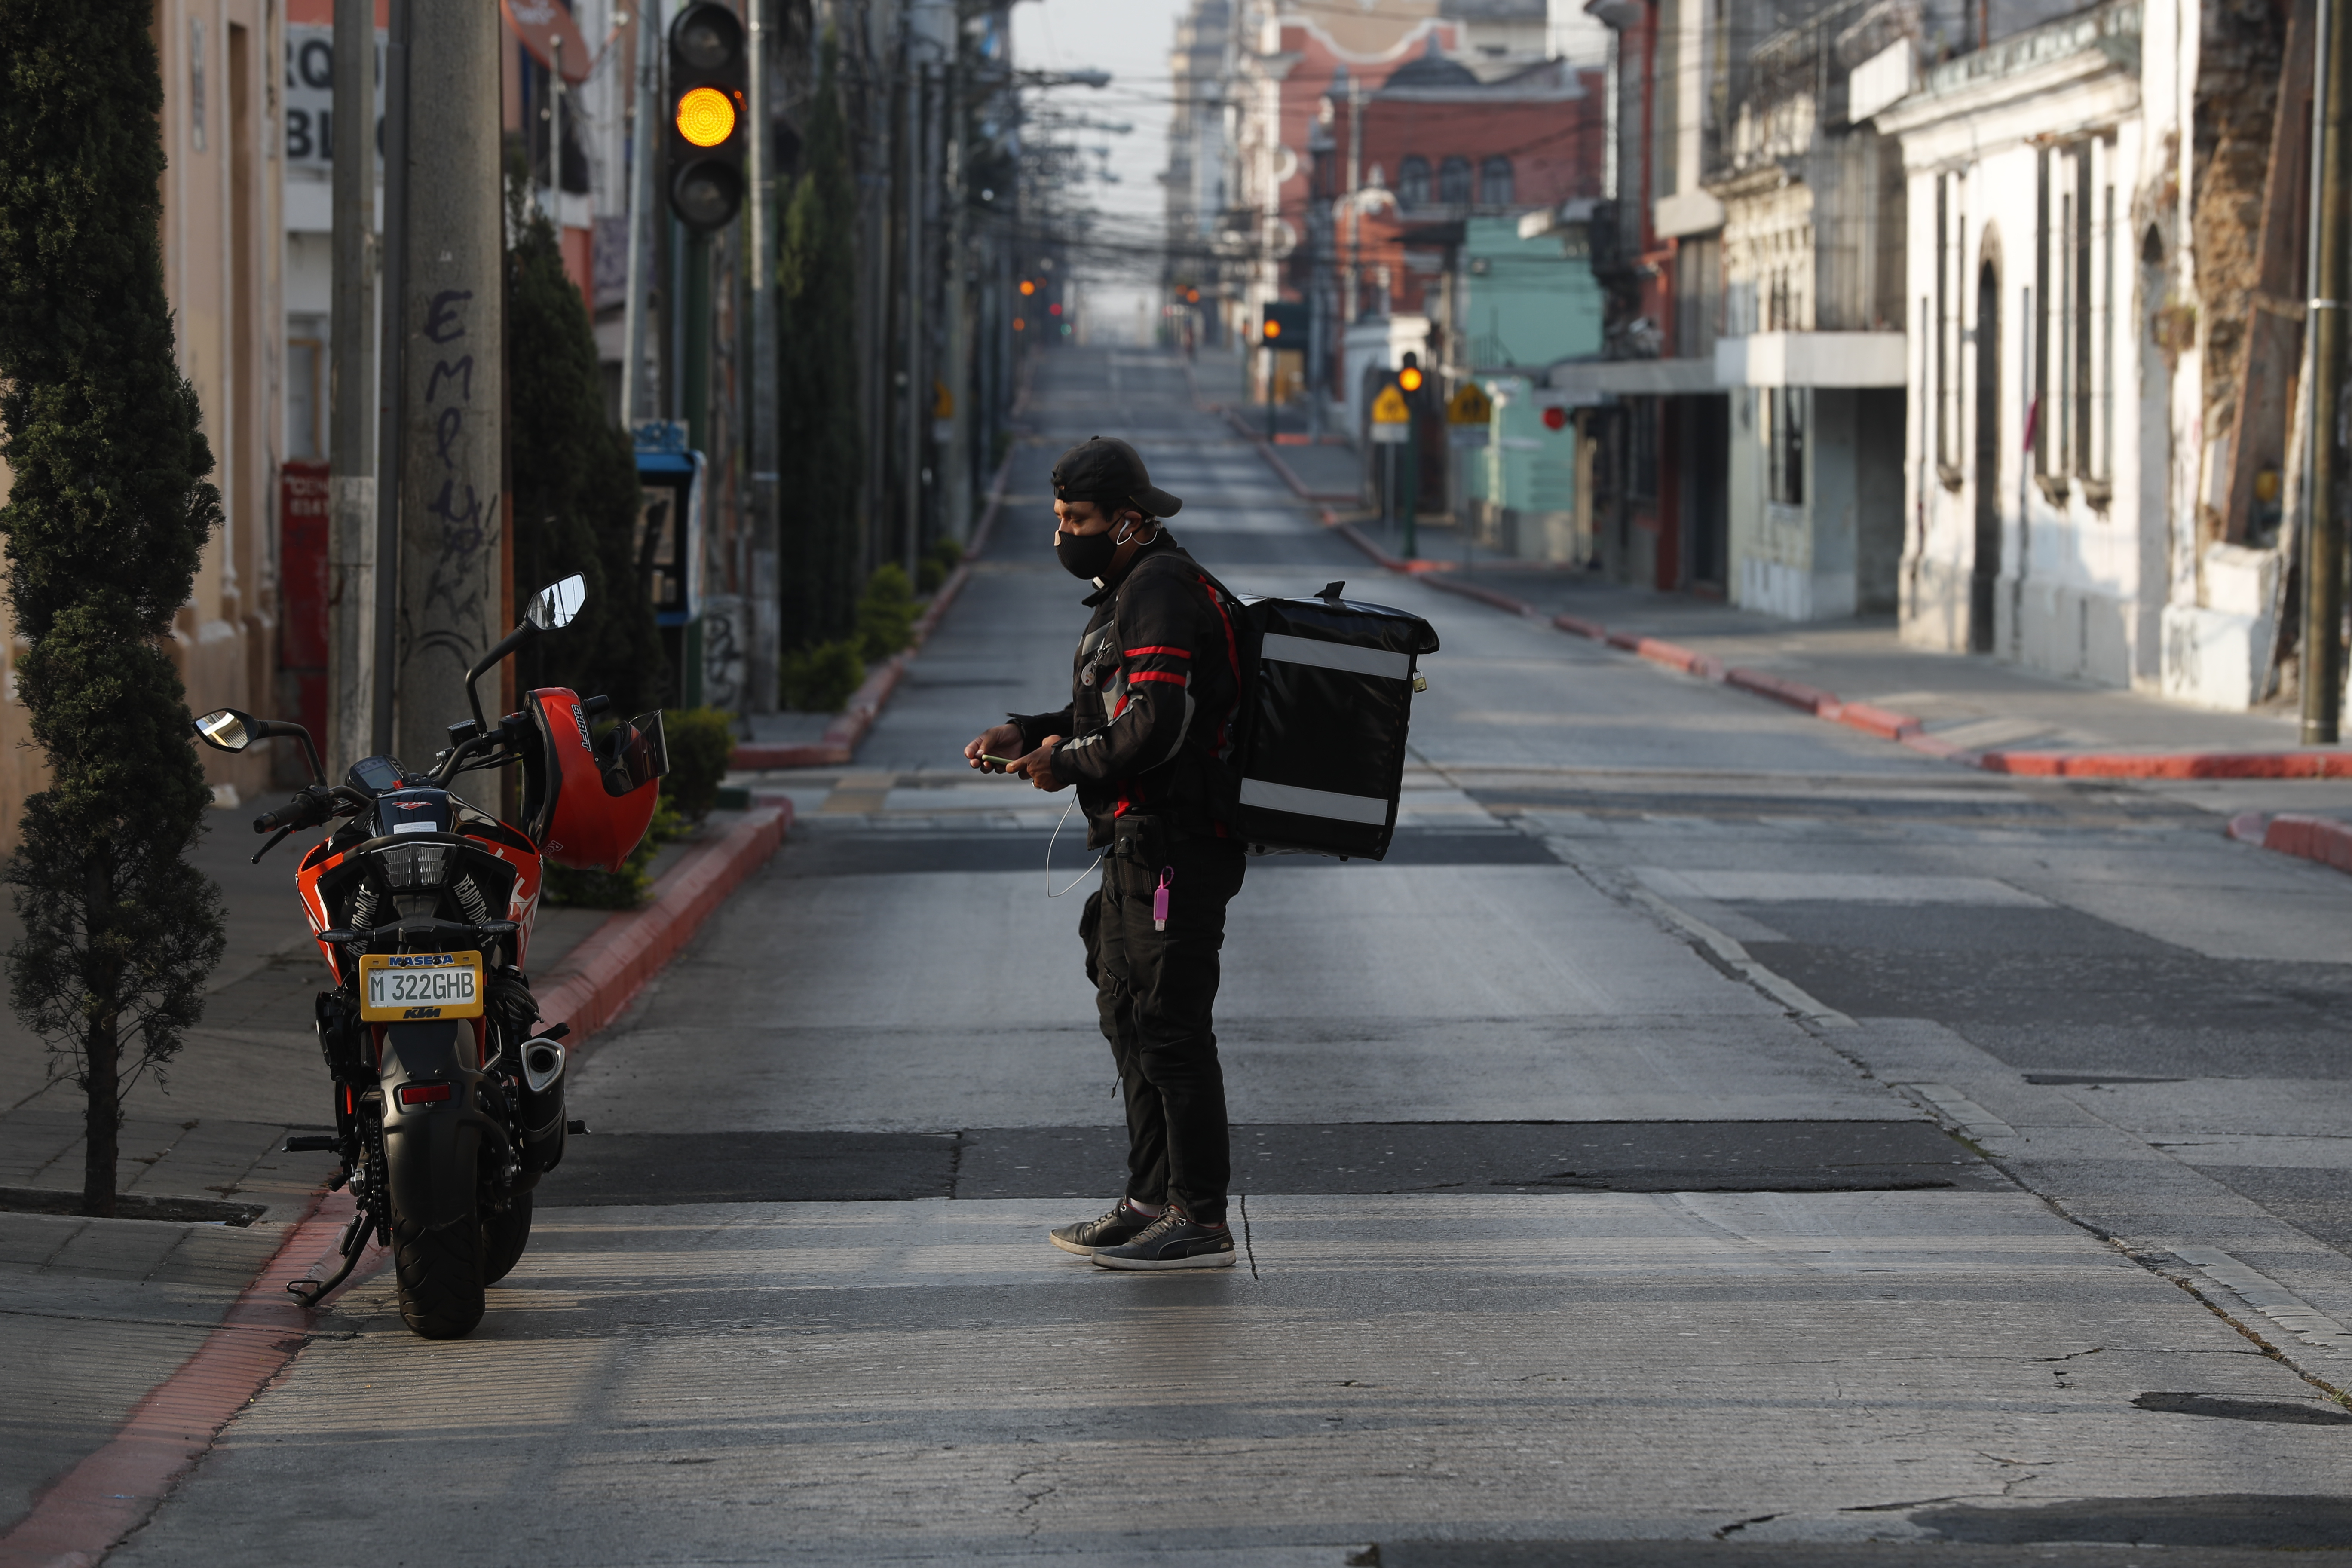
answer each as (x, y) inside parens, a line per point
(504, 1238)
(441, 1273)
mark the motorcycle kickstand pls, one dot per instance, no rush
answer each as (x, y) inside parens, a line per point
(311, 1292)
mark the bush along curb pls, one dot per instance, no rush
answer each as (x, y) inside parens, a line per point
(841, 738)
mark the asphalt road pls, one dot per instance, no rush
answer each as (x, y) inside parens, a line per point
(1713, 1136)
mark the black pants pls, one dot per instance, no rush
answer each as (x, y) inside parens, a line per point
(1155, 990)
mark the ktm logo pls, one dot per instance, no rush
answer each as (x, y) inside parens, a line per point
(414, 804)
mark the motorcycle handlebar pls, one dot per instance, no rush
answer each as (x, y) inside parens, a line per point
(305, 810)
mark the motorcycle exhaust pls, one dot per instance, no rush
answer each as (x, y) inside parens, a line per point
(543, 1061)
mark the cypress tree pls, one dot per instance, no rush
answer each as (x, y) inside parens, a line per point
(575, 488)
(817, 390)
(105, 521)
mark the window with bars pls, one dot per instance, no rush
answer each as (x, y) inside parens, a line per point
(1454, 181)
(1951, 265)
(1413, 183)
(2073, 351)
(1784, 444)
(1494, 182)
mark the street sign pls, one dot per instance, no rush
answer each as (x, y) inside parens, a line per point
(1470, 405)
(1389, 408)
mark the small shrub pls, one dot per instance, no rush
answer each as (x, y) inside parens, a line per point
(820, 680)
(938, 562)
(885, 615)
(701, 742)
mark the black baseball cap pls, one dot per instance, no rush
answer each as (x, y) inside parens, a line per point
(1106, 471)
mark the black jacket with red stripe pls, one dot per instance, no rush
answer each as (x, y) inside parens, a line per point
(1155, 693)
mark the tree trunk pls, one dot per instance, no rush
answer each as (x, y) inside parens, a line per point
(102, 1126)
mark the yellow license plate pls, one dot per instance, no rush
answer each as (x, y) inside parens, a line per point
(402, 987)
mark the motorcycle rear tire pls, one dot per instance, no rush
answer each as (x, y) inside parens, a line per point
(504, 1236)
(441, 1275)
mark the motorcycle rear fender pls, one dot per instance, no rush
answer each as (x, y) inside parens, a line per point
(433, 1153)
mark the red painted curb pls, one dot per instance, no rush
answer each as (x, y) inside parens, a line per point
(2170, 764)
(1881, 722)
(2320, 838)
(1580, 627)
(1796, 694)
(632, 945)
(114, 1490)
(1674, 655)
(1484, 595)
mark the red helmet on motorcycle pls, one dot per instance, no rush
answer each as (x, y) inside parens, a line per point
(587, 803)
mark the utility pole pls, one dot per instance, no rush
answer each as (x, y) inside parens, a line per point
(2331, 297)
(766, 638)
(351, 499)
(452, 406)
(391, 446)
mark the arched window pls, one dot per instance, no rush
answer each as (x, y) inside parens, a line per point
(1454, 181)
(1413, 183)
(1495, 183)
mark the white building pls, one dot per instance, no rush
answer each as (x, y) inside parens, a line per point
(2089, 493)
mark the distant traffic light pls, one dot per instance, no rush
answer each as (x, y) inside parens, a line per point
(1409, 378)
(1283, 319)
(1028, 287)
(706, 140)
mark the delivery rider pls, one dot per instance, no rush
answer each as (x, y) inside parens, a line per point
(1145, 739)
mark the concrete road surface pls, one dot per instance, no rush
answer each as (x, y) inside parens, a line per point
(1713, 1136)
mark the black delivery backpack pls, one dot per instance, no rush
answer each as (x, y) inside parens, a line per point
(1326, 692)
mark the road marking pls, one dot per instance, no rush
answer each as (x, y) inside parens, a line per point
(1970, 1118)
(1833, 887)
(2268, 1297)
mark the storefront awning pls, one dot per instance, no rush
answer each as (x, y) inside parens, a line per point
(1633, 377)
(1811, 358)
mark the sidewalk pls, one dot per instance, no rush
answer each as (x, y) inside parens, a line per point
(1972, 701)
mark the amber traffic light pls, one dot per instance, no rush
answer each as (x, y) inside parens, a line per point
(1409, 378)
(706, 137)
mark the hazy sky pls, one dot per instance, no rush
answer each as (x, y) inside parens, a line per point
(1130, 39)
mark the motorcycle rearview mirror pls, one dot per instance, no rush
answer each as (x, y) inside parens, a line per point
(226, 729)
(229, 729)
(556, 604)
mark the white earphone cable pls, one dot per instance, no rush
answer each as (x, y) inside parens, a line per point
(1049, 851)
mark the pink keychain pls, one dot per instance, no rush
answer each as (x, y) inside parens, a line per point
(1159, 898)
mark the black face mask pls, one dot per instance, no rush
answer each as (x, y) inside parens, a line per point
(1085, 555)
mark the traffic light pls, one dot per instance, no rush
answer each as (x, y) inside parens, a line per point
(1284, 323)
(706, 138)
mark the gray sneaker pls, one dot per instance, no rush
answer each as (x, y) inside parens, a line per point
(1121, 1224)
(1171, 1241)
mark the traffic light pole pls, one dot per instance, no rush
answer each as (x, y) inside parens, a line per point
(694, 407)
(1270, 363)
(1409, 462)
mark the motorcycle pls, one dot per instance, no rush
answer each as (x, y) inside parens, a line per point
(449, 1090)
